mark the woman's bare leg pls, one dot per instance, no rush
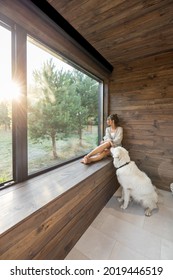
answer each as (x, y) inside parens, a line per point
(99, 149)
(97, 157)
(97, 154)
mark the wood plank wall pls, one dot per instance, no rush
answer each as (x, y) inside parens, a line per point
(141, 92)
(52, 231)
(40, 27)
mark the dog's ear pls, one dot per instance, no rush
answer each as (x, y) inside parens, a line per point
(114, 152)
(119, 155)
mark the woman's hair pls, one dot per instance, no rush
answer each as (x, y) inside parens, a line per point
(114, 118)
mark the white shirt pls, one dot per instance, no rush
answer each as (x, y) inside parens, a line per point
(115, 137)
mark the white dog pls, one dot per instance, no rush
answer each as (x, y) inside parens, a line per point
(135, 183)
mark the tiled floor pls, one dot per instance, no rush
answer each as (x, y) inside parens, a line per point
(118, 234)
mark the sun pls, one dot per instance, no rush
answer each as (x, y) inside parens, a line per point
(9, 91)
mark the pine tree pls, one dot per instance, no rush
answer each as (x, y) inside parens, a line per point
(48, 114)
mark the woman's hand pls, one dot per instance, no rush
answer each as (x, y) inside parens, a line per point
(112, 144)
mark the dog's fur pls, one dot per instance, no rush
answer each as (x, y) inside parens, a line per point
(135, 183)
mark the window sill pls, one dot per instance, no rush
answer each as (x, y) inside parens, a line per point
(20, 201)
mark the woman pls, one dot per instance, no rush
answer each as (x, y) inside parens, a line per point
(112, 138)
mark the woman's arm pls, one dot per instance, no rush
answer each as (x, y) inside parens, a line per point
(118, 137)
(107, 134)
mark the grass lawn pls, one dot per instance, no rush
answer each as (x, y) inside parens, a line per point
(40, 153)
(6, 155)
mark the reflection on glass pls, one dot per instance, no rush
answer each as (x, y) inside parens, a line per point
(62, 109)
(6, 96)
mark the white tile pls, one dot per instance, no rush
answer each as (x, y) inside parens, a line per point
(99, 220)
(133, 214)
(75, 254)
(167, 198)
(161, 224)
(166, 250)
(142, 241)
(118, 191)
(95, 245)
(129, 235)
(121, 252)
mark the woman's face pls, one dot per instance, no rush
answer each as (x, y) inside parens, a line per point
(109, 121)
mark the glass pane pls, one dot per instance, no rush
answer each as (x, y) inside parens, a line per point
(63, 105)
(6, 96)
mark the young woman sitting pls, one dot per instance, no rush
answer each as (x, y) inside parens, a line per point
(113, 138)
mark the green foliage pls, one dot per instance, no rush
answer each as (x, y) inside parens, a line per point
(61, 103)
(3, 178)
(87, 89)
(4, 115)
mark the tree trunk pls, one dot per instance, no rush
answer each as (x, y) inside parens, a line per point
(55, 156)
(80, 136)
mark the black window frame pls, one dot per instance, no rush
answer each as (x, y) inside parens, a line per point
(19, 113)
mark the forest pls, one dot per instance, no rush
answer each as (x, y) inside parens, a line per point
(62, 118)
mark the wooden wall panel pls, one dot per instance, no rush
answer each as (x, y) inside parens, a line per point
(141, 92)
(121, 30)
(38, 25)
(52, 231)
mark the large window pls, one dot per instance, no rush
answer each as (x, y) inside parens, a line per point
(6, 96)
(52, 117)
(63, 105)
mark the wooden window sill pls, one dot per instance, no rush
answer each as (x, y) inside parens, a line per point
(44, 217)
(20, 201)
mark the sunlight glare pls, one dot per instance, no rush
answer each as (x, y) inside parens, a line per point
(9, 91)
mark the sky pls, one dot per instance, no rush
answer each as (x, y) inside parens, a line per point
(36, 56)
(5, 55)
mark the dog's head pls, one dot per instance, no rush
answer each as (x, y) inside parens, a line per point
(120, 156)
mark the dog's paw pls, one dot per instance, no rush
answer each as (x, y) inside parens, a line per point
(123, 206)
(120, 199)
(148, 212)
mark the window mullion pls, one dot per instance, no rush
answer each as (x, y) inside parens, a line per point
(19, 106)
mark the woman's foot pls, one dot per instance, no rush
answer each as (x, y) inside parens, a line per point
(86, 160)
